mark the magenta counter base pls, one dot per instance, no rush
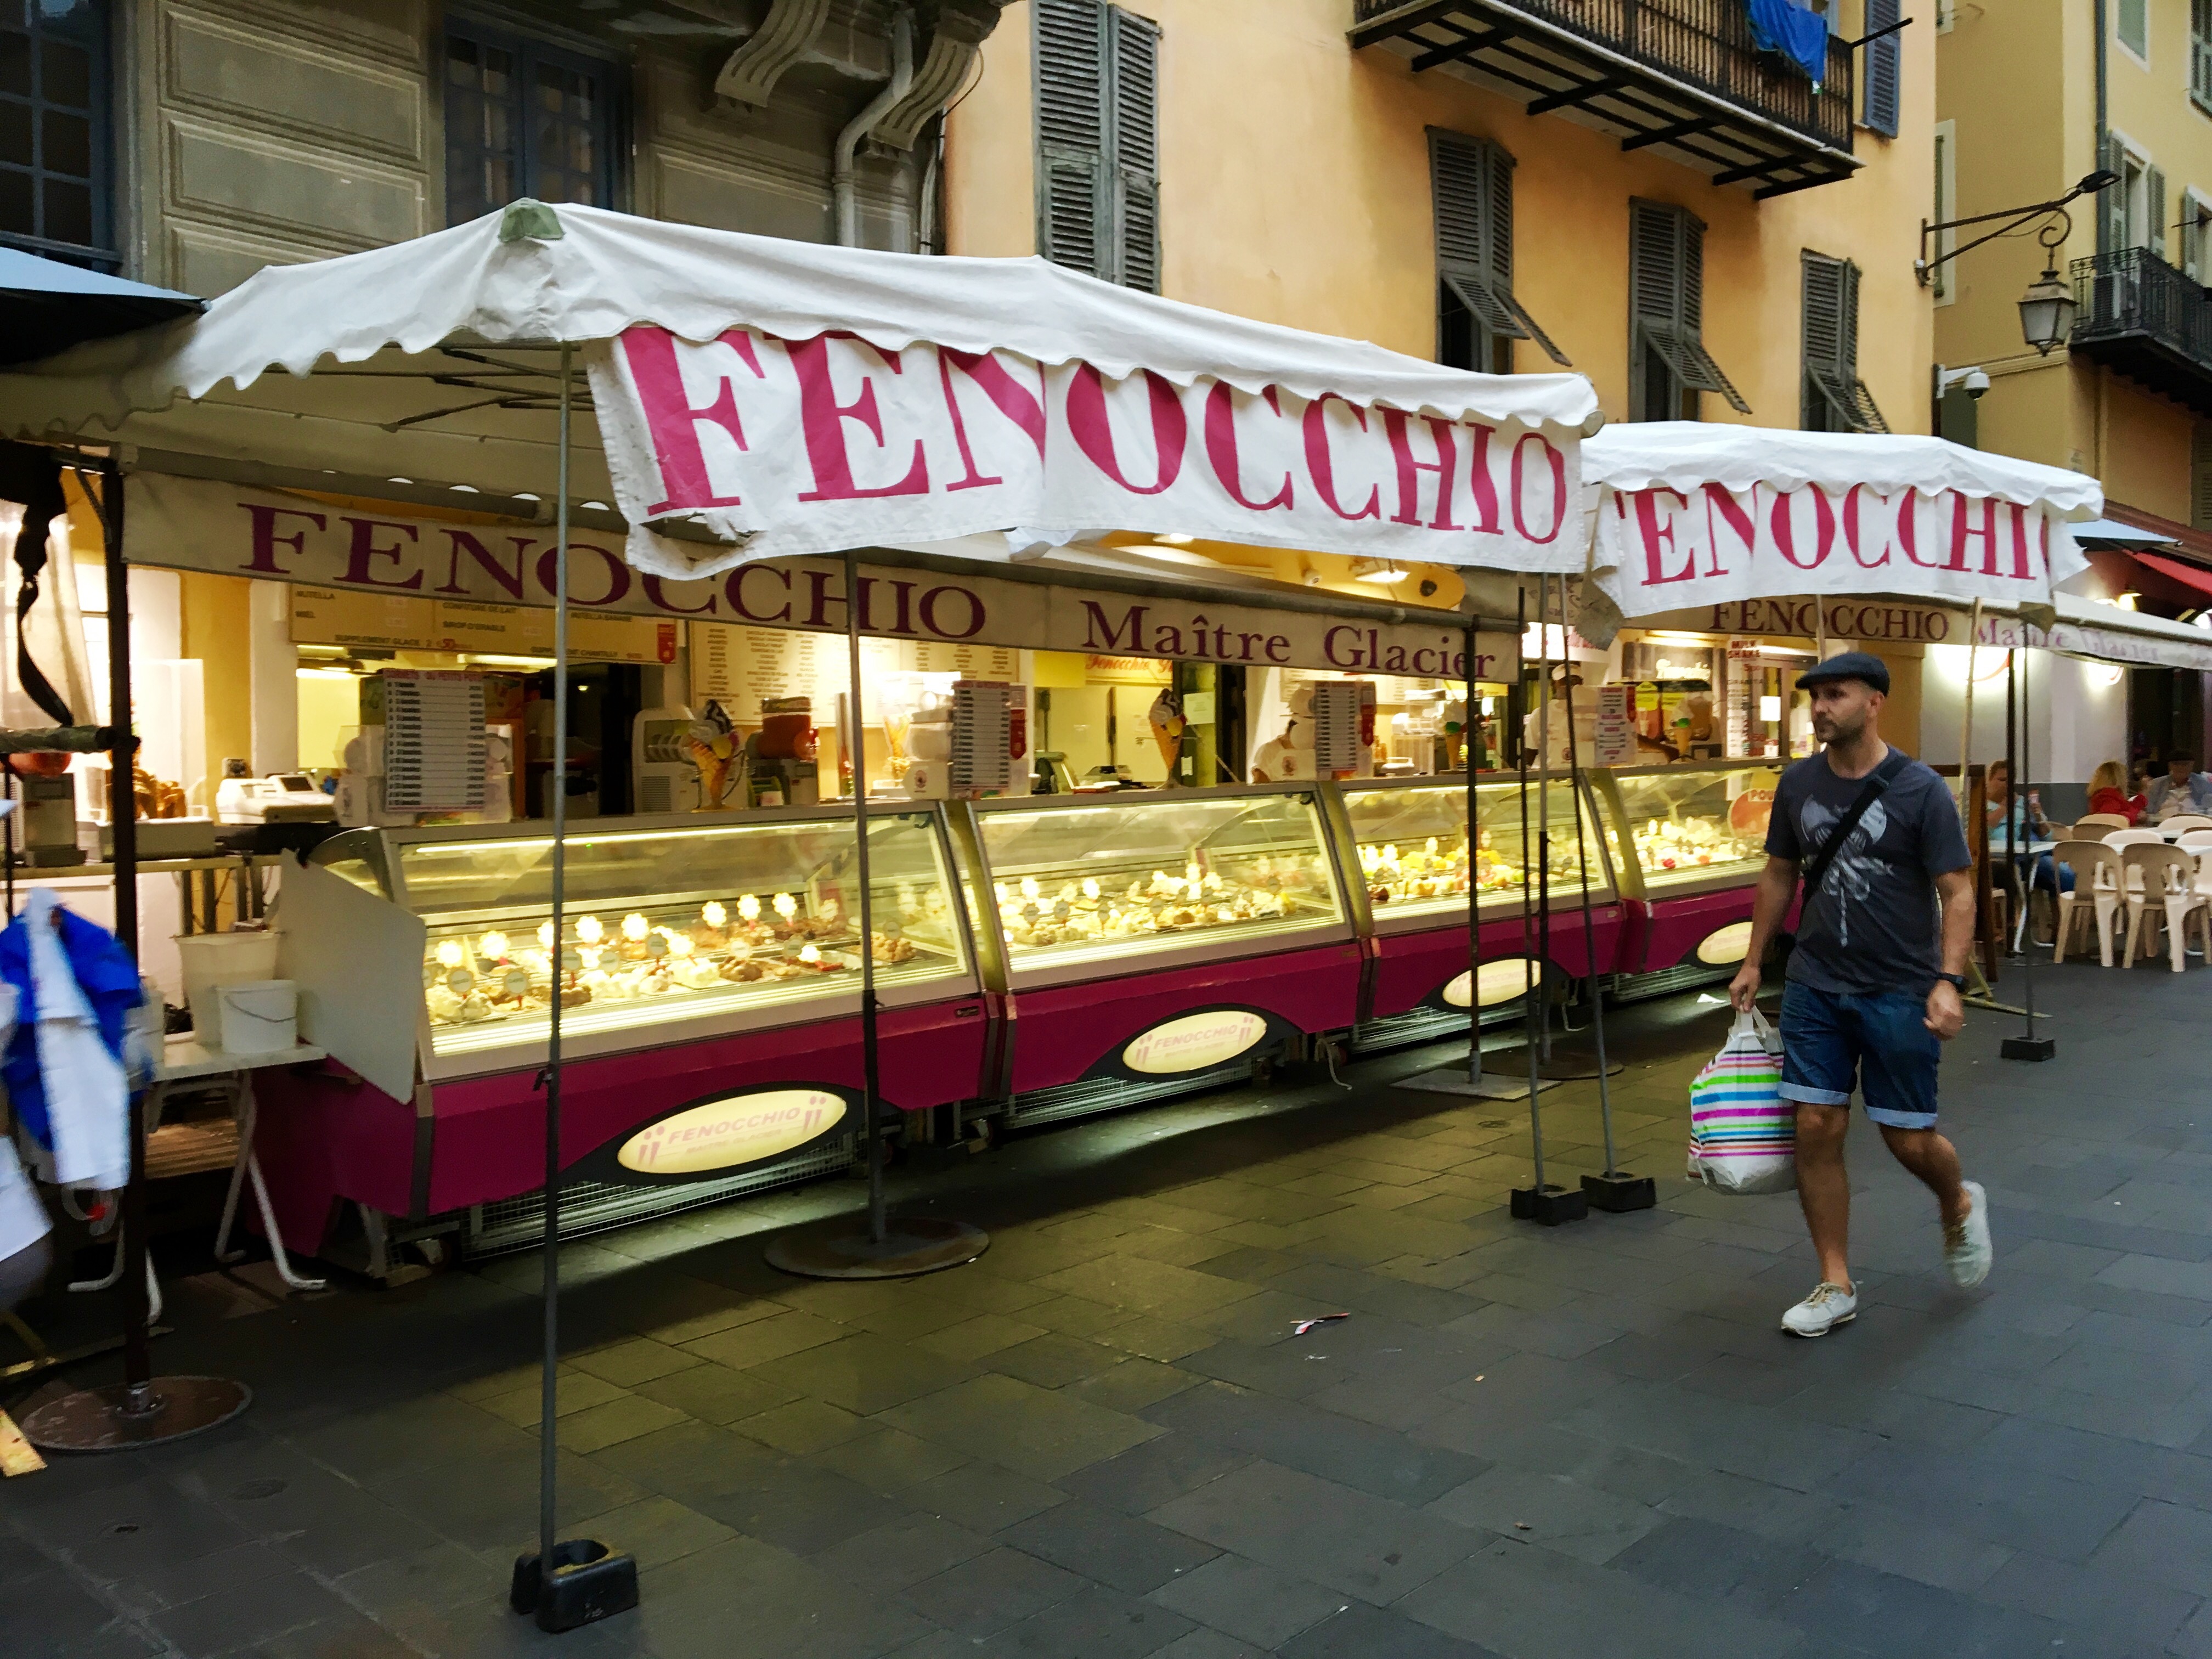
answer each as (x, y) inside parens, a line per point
(324, 1138)
(1412, 970)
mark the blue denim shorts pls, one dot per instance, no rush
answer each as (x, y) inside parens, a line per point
(1831, 1041)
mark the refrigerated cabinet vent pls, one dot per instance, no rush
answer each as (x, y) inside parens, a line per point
(1112, 1094)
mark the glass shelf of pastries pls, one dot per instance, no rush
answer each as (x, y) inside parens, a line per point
(666, 919)
(1098, 880)
(1697, 828)
(1411, 842)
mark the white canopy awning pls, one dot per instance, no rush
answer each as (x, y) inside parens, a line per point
(1690, 513)
(757, 398)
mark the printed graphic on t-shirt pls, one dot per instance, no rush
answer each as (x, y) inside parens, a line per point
(1856, 872)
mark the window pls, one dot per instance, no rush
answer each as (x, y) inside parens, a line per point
(2134, 213)
(523, 118)
(1947, 208)
(2200, 52)
(1834, 399)
(54, 149)
(1667, 363)
(1098, 192)
(2131, 20)
(1477, 318)
(1885, 67)
(2194, 231)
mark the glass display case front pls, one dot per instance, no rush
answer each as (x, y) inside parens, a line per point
(662, 920)
(1413, 849)
(1691, 829)
(1105, 878)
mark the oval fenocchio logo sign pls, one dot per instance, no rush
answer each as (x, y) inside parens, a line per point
(1193, 1042)
(737, 1129)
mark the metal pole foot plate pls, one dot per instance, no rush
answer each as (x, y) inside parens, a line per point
(2039, 1047)
(590, 1583)
(1565, 1066)
(841, 1248)
(120, 1418)
(1549, 1206)
(1619, 1192)
(1454, 1080)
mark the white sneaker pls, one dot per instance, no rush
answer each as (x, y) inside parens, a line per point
(1829, 1306)
(1967, 1251)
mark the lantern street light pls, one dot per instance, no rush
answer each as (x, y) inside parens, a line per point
(2046, 310)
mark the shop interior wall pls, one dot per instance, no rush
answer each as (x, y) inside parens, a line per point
(2075, 712)
(1323, 219)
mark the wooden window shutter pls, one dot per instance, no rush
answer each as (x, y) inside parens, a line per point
(1885, 67)
(1471, 182)
(2112, 223)
(1834, 399)
(2200, 476)
(2155, 191)
(1134, 150)
(1667, 287)
(2200, 51)
(1071, 85)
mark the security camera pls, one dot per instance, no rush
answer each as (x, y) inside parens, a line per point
(1976, 385)
(1972, 381)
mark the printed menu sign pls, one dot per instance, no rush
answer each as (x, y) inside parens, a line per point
(434, 741)
(1616, 727)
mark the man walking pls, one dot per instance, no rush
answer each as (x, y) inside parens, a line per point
(1874, 984)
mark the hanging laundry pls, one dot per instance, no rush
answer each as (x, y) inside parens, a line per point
(76, 1051)
(1802, 36)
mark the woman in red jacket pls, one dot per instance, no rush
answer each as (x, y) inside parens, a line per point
(2108, 793)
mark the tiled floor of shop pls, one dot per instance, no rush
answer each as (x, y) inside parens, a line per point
(1102, 1442)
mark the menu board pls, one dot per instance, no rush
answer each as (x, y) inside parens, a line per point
(737, 667)
(329, 615)
(435, 748)
(324, 615)
(974, 662)
(1616, 727)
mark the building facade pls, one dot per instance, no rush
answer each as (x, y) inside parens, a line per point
(2030, 99)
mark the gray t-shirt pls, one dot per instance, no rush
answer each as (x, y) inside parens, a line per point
(1876, 924)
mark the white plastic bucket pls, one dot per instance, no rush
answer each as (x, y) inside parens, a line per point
(210, 960)
(259, 1017)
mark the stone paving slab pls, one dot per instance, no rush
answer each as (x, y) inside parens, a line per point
(1102, 1441)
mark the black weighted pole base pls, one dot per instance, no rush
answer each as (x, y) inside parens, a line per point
(1617, 1192)
(2030, 1048)
(1548, 1205)
(841, 1248)
(120, 1418)
(589, 1583)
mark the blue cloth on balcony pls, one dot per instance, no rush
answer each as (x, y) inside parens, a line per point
(1800, 35)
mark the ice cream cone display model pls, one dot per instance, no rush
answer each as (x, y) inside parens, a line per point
(712, 745)
(1165, 718)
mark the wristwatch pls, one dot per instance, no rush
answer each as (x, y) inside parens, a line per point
(1956, 980)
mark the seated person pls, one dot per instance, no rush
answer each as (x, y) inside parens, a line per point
(2108, 794)
(2016, 823)
(2183, 789)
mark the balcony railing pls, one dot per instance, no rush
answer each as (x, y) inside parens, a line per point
(2139, 315)
(1704, 43)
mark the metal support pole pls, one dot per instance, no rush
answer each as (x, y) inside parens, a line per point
(2028, 1045)
(856, 747)
(1469, 723)
(550, 1286)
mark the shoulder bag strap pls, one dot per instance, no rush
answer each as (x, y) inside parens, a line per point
(1877, 785)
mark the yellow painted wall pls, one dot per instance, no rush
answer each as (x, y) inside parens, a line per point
(217, 628)
(1303, 198)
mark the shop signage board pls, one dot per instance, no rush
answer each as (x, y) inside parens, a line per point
(791, 447)
(328, 615)
(193, 524)
(1663, 548)
(731, 1132)
(434, 741)
(1615, 742)
(1889, 622)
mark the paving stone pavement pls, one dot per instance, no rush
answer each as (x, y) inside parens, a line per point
(1102, 1441)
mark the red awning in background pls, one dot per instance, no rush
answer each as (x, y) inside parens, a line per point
(2189, 575)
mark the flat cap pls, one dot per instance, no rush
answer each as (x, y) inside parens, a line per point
(1848, 665)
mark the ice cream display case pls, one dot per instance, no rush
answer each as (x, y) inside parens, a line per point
(1410, 841)
(1690, 841)
(1153, 941)
(708, 972)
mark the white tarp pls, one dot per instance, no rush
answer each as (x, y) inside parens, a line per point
(796, 399)
(1689, 515)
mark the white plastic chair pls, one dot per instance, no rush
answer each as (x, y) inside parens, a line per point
(2162, 887)
(2096, 870)
(2086, 825)
(2185, 821)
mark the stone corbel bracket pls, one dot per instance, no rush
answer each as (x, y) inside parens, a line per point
(956, 35)
(749, 74)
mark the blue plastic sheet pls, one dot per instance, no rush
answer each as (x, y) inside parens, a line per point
(1800, 35)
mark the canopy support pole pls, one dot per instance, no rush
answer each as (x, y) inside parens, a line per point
(585, 1580)
(886, 1248)
(2027, 1045)
(142, 1410)
(1543, 1202)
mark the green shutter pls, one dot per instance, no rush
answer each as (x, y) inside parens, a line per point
(1132, 148)
(1070, 132)
(1667, 288)
(1885, 69)
(1471, 186)
(2155, 188)
(1834, 399)
(2112, 223)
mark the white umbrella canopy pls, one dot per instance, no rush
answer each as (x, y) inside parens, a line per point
(1689, 515)
(759, 397)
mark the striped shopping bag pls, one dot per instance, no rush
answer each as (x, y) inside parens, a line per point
(1743, 1136)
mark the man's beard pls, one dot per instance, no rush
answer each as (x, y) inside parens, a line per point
(1839, 731)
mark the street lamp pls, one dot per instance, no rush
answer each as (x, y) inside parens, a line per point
(2046, 310)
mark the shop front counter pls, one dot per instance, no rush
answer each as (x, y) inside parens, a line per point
(1410, 839)
(1690, 841)
(708, 975)
(1152, 942)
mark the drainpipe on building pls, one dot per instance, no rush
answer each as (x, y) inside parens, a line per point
(841, 181)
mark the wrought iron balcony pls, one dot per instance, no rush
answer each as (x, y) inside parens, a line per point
(1680, 76)
(2140, 317)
